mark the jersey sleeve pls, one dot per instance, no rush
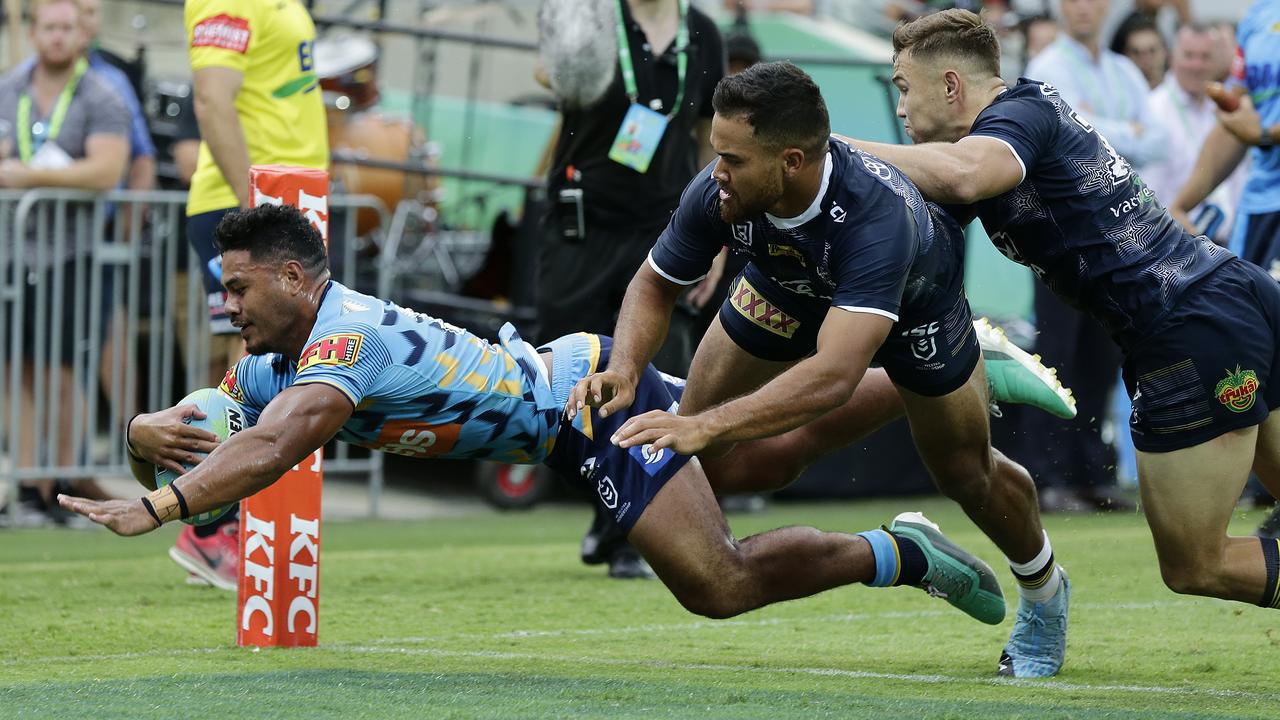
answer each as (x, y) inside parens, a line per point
(219, 32)
(254, 381)
(872, 271)
(109, 116)
(349, 357)
(695, 234)
(1025, 125)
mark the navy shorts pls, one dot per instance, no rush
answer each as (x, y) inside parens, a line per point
(200, 234)
(623, 481)
(1262, 241)
(1205, 369)
(931, 350)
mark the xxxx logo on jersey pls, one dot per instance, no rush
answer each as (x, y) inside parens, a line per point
(752, 306)
(1237, 390)
(337, 349)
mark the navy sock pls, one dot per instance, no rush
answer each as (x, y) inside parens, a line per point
(913, 562)
(1271, 554)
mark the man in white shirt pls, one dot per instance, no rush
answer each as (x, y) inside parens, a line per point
(1103, 86)
(1188, 116)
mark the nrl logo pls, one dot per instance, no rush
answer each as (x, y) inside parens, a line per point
(1237, 390)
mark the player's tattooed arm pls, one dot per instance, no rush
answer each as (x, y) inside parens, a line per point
(293, 425)
(826, 380)
(642, 327)
(963, 172)
(1221, 153)
(296, 422)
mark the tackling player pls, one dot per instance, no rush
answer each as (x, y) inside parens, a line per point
(1199, 327)
(849, 265)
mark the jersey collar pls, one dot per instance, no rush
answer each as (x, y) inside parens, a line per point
(330, 302)
(813, 209)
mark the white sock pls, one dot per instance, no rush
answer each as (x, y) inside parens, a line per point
(1038, 578)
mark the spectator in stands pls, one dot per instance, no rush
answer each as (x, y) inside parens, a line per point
(799, 7)
(610, 207)
(1152, 12)
(1224, 50)
(141, 176)
(1143, 44)
(256, 102)
(70, 130)
(1188, 115)
(1022, 38)
(1075, 466)
(1038, 33)
(142, 152)
(907, 10)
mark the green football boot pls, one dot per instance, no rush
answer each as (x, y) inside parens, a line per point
(1015, 376)
(954, 574)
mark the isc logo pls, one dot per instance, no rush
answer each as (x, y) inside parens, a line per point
(921, 331)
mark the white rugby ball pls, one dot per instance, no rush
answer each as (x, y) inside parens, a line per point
(224, 417)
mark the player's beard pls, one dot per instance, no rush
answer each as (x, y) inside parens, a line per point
(742, 206)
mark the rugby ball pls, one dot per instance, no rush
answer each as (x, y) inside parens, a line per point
(224, 417)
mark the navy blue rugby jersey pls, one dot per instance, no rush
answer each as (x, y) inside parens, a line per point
(868, 243)
(1082, 219)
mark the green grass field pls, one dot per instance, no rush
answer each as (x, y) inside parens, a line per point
(491, 616)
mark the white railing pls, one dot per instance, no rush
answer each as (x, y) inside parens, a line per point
(93, 288)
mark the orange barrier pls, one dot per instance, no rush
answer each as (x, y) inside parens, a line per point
(279, 600)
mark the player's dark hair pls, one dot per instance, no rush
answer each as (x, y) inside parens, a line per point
(953, 34)
(782, 104)
(274, 233)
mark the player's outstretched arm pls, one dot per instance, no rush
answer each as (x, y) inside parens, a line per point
(292, 426)
(1219, 156)
(642, 327)
(973, 168)
(846, 343)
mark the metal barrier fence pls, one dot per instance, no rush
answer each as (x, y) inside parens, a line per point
(103, 314)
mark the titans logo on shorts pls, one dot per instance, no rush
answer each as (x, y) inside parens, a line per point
(1083, 220)
(420, 386)
(1206, 368)
(622, 481)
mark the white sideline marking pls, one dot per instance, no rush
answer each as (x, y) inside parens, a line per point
(824, 672)
(391, 646)
(708, 667)
(587, 632)
(763, 622)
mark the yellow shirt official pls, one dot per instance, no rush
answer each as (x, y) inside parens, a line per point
(280, 106)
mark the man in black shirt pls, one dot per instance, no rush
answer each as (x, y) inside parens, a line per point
(608, 204)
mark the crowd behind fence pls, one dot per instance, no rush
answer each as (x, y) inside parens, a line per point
(102, 286)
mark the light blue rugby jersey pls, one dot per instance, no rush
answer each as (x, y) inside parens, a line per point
(1257, 67)
(420, 386)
